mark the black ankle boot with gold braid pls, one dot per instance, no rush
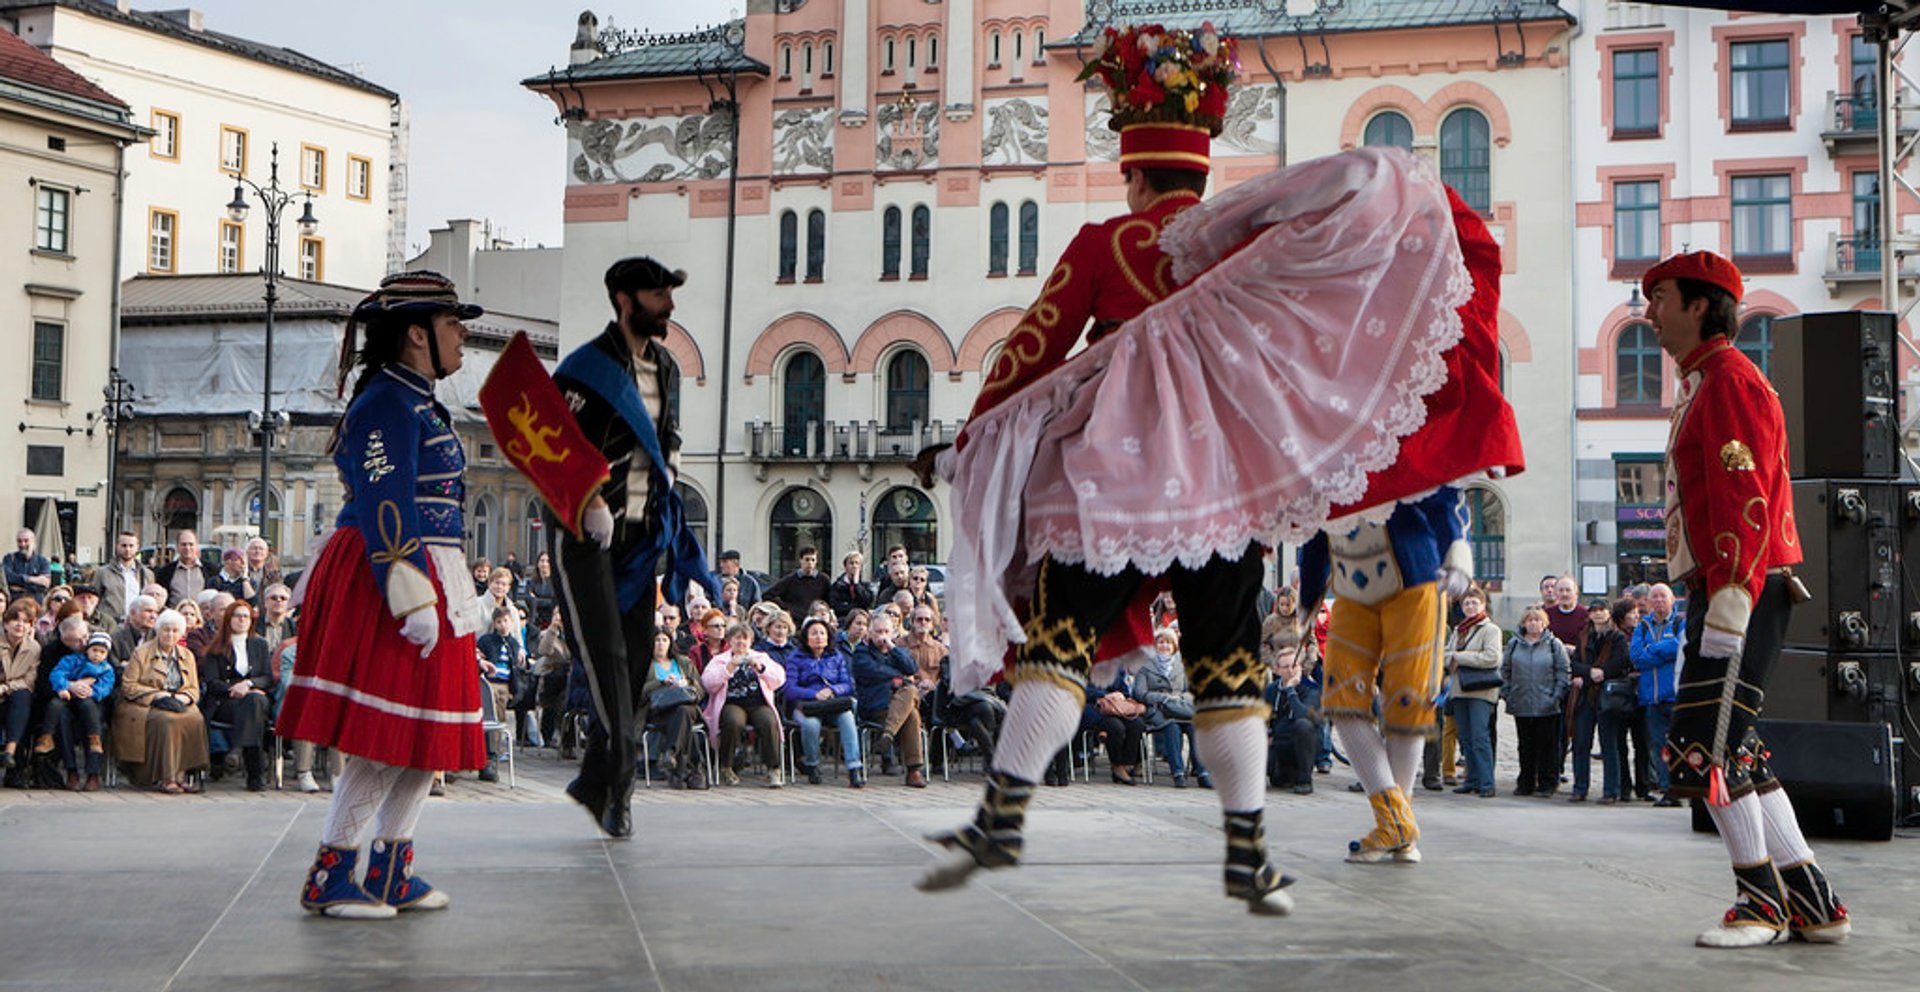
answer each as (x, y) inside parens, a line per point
(992, 840)
(1249, 875)
(1813, 912)
(1759, 913)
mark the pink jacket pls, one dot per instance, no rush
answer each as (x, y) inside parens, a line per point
(714, 678)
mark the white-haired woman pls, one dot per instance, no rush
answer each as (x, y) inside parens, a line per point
(157, 727)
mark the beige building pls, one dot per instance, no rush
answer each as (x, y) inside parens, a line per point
(218, 106)
(908, 172)
(62, 144)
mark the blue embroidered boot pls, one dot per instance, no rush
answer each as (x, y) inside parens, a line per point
(390, 877)
(332, 891)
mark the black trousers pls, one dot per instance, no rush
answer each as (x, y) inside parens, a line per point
(614, 646)
(1540, 738)
(1219, 623)
(1731, 688)
(1122, 735)
(1291, 745)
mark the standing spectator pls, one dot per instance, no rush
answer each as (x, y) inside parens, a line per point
(1636, 772)
(512, 564)
(1474, 649)
(541, 591)
(482, 572)
(1583, 698)
(1534, 679)
(742, 688)
(1549, 591)
(123, 578)
(28, 572)
(239, 671)
(730, 604)
(263, 566)
(919, 587)
(19, 670)
(1565, 619)
(884, 677)
(1656, 649)
(848, 591)
(232, 578)
(1613, 669)
(728, 567)
(796, 591)
(551, 662)
(186, 576)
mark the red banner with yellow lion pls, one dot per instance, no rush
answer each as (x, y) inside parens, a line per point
(538, 435)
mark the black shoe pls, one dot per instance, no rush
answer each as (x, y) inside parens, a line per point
(1355, 787)
(1205, 780)
(489, 773)
(617, 821)
(1464, 789)
(1431, 784)
(594, 799)
(856, 778)
(1304, 788)
(1523, 790)
(1578, 797)
(1666, 802)
(813, 774)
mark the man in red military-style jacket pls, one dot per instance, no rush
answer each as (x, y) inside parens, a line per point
(1731, 537)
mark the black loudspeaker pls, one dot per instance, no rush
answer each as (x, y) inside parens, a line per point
(1835, 376)
(1841, 777)
(1853, 687)
(1850, 534)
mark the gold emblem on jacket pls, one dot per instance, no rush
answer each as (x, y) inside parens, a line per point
(1736, 456)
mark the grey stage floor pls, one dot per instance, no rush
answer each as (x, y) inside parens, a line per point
(808, 888)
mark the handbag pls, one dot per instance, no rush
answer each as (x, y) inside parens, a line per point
(1177, 709)
(1618, 696)
(668, 696)
(831, 706)
(1477, 679)
(169, 704)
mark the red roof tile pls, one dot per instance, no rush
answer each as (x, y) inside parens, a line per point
(24, 63)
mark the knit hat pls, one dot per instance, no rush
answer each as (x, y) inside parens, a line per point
(100, 640)
(1700, 266)
(1168, 90)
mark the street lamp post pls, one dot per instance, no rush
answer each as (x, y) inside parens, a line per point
(119, 409)
(274, 199)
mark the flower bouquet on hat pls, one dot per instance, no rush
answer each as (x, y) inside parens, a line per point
(1158, 76)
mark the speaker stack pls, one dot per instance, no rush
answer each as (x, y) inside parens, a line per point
(1844, 697)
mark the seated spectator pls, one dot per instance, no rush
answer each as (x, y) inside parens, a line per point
(276, 622)
(81, 683)
(977, 714)
(303, 751)
(1293, 738)
(482, 572)
(197, 635)
(232, 578)
(239, 673)
(19, 669)
(87, 598)
(854, 631)
(820, 690)
(776, 641)
(1119, 719)
(499, 594)
(730, 605)
(1161, 684)
(884, 679)
(157, 727)
(142, 611)
(501, 659)
(57, 597)
(917, 580)
(711, 638)
(896, 578)
(742, 688)
(671, 703)
(671, 619)
(1535, 675)
(551, 660)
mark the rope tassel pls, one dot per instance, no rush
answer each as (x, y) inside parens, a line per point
(1717, 788)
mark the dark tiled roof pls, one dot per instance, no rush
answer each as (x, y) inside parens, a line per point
(1265, 18)
(23, 63)
(659, 56)
(160, 23)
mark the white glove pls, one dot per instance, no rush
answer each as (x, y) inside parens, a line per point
(1453, 581)
(1717, 643)
(422, 627)
(598, 523)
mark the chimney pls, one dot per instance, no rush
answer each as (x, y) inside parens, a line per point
(188, 18)
(586, 40)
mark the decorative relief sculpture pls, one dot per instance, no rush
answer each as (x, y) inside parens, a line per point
(909, 136)
(1016, 132)
(1103, 143)
(649, 150)
(803, 141)
(1252, 124)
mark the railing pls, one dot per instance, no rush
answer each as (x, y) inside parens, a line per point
(1856, 256)
(1855, 113)
(833, 441)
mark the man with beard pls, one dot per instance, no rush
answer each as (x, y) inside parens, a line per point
(617, 386)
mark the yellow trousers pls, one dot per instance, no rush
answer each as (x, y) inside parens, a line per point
(1393, 645)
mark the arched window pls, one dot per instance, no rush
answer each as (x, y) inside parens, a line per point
(933, 51)
(1756, 341)
(826, 59)
(482, 523)
(804, 384)
(1466, 157)
(801, 519)
(997, 240)
(906, 391)
(181, 511)
(1019, 49)
(789, 244)
(694, 507)
(1029, 237)
(993, 50)
(913, 51)
(922, 241)
(816, 245)
(1039, 45)
(907, 516)
(1389, 129)
(806, 58)
(272, 531)
(786, 61)
(886, 63)
(1487, 534)
(1637, 372)
(890, 243)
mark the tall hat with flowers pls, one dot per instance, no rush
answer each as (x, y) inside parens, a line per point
(1168, 90)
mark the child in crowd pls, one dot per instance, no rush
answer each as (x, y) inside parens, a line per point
(501, 655)
(79, 682)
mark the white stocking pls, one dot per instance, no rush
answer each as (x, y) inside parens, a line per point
(1785, 844)
(1041, 719)
(1235, 753)
(1403, 755)
(1366, 751)
(358, 792)
(406, 797)
(1742, 828)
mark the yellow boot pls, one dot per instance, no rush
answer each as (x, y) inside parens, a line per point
(1394, 831)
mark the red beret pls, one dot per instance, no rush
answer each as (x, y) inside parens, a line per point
(1701, 266)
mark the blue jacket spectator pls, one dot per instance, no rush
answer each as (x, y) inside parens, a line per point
(78, 666)
(807, 675)
(876, 672)
(503, 652)
(1655, 649)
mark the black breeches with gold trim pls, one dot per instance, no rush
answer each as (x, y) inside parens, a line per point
(1718, 704)
(1219, 627)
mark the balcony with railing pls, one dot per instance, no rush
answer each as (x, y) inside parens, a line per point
(1852, 261)
(831, 441)
(1853, 123)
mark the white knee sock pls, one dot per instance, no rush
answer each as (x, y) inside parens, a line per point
(1366, 751)
(358, 792)
(1235, 753)
(1041, 719)
(1742, 828)
(1785, 844)
(1403, 755)
(406, 797)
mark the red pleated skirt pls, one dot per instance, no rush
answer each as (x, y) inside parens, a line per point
(361, 687)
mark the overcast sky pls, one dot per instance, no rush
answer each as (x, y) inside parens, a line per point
(482, 146)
